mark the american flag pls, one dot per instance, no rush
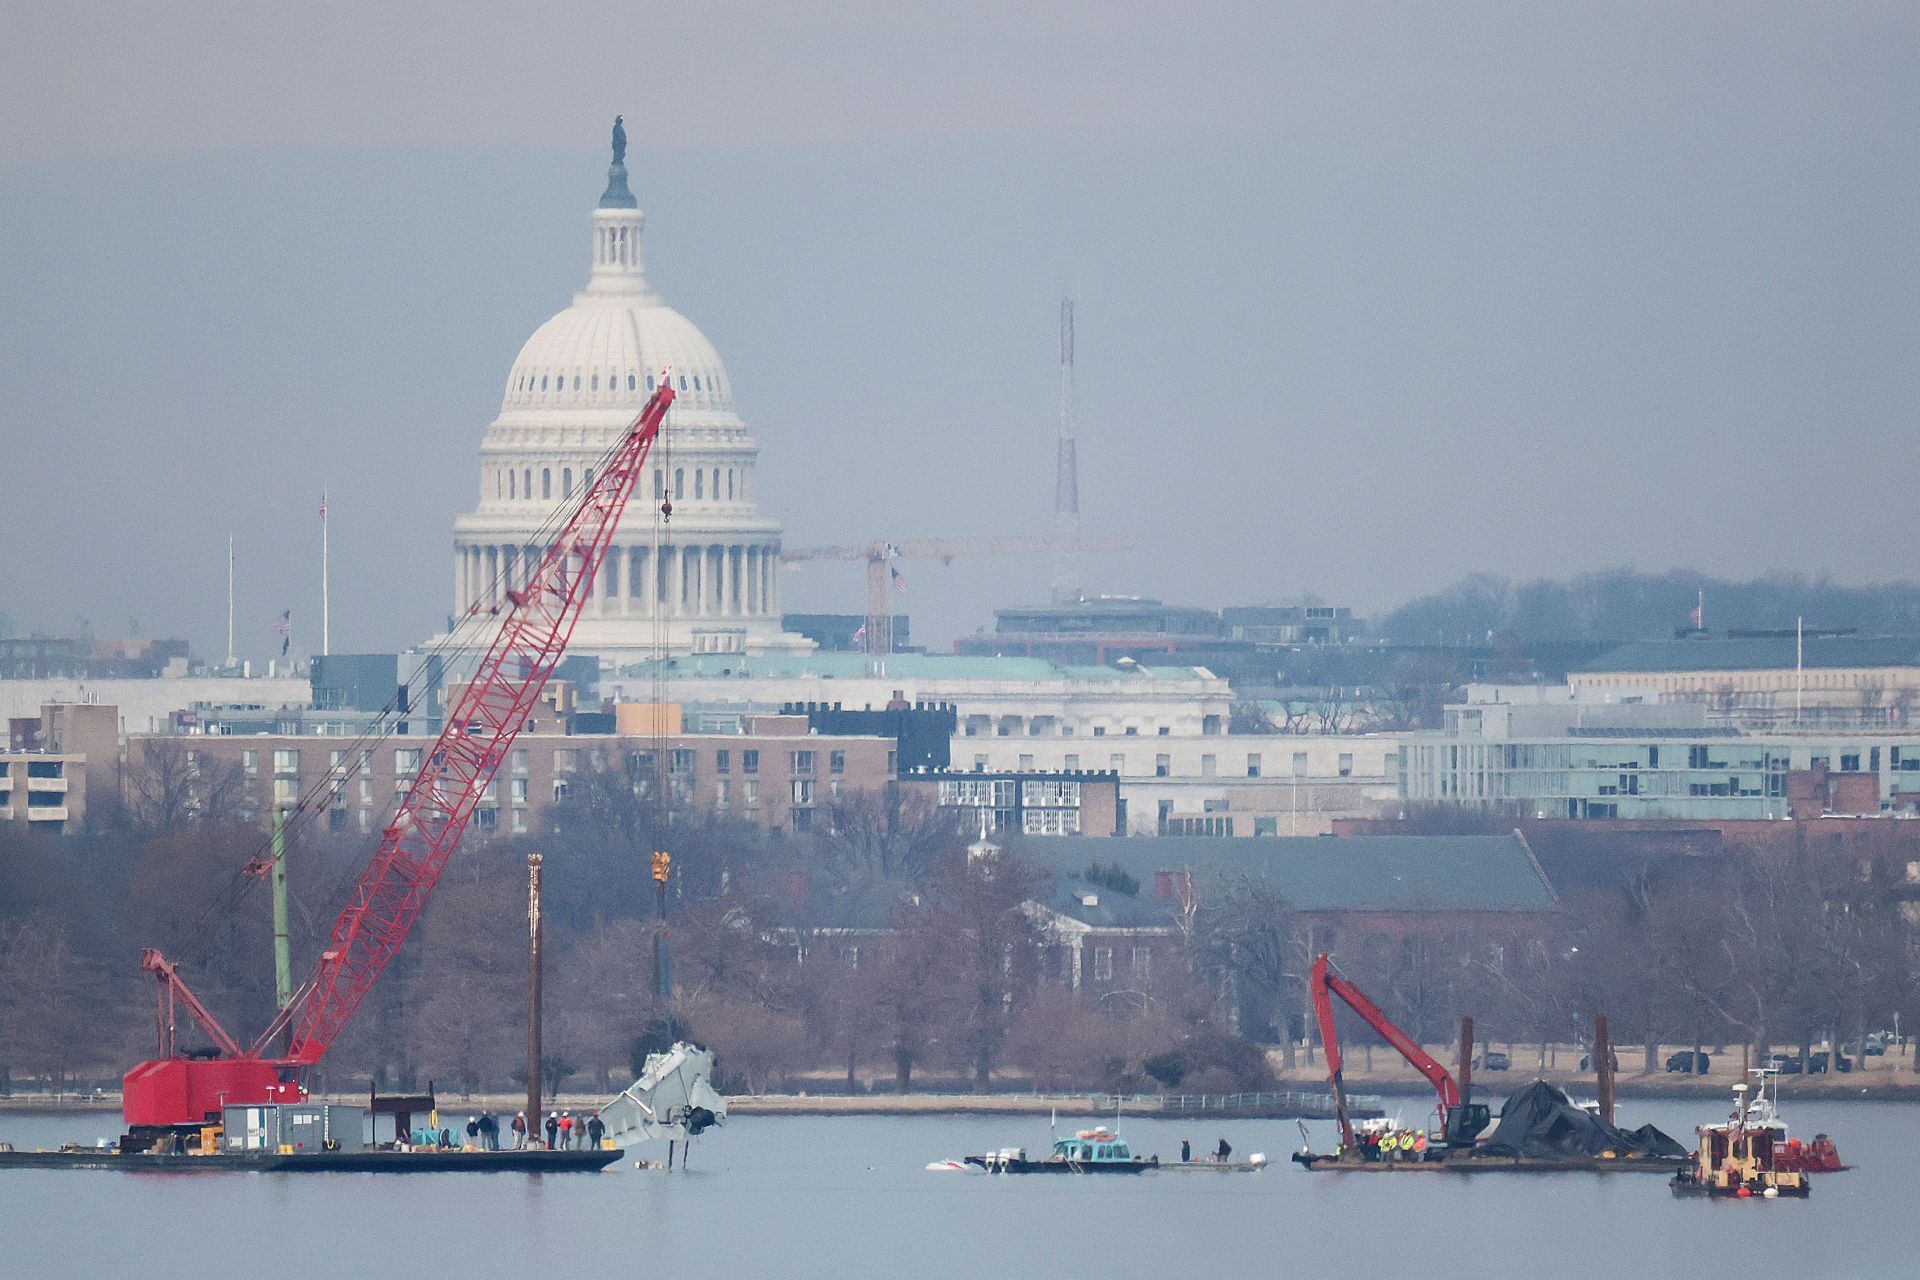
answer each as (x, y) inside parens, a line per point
(899, 580)
(860, 634)
(283, 627)
(323, 504)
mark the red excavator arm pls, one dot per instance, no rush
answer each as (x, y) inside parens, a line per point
(393, 890)
(1327, 984)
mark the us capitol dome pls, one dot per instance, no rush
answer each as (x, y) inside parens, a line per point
(705, 581)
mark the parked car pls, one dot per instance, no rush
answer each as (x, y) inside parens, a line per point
(1493, 1060)
(1817, 1064)
(1690, 1062)
(1785, 1063)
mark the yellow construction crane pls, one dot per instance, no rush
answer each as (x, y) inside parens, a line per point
(880, 557)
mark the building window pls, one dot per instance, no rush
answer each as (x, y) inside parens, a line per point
(518, 793)
(680, 761)
(519, 759)
(1072, 762)
(1266, 826)
(679, 482)
(803, 762)
(1346, 764)
(836, 762)
(285, 790)
(1253, 764)
(750, 792)
(721, 793)
(288, 761)
(1142, 963)
(1162, 766)
(520, 821)
(546, 482)
(1207, 766)
(406, 761)
(803, 790)
(750, 761)
(723, 762)
(560, 788)
(250, 763)
(1299, 764)
(1103, 964)
(565, 759)
(1026, 763)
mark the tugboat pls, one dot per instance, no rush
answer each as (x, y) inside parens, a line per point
(1088, 1151)
(1739, 1159)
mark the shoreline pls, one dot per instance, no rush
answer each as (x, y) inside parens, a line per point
(1792, 1088)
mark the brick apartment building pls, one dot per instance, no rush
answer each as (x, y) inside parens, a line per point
(54, 761)
(776, 774)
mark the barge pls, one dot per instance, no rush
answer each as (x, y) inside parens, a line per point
(365, 1160)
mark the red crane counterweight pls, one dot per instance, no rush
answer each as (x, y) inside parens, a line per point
(394, 889)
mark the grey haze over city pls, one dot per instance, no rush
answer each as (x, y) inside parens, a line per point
(1367, 301)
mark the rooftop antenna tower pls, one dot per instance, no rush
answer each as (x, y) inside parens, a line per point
(1066, 475)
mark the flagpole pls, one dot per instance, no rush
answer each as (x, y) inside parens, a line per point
(326, 620)
(1799, 666)
(230, 658)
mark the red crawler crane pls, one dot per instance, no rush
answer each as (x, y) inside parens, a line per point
(1455, 1120)
(393, 890)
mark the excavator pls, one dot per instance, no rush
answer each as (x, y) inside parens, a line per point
(180, 1089)
(1460, 1121)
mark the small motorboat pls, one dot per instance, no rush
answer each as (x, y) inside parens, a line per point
(1088, 1151)
(1739, 1159)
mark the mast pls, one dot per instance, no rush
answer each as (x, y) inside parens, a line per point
(230, 657)
(1066, 476)
(326, 624)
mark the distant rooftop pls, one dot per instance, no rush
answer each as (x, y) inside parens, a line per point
(1756, 653)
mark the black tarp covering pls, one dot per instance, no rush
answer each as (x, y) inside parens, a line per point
(1540, 1122)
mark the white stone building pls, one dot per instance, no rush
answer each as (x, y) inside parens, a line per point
(1221, 784)
(995, 698)
(710, 574)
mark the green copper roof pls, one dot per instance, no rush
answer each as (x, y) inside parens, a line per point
(919, 666)
(1323, 873)
(1757, 653)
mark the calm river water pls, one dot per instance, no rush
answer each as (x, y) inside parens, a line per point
(810, 1197)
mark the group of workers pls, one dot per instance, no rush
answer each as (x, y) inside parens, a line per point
(563, 1132)
(1394, 1144)
(1221, 1153)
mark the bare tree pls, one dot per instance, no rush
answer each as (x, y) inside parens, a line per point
(874, 838)
(171, 786)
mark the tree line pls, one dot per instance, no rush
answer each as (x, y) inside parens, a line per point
(876, 953)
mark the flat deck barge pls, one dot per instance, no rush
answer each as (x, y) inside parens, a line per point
(1464, 1163)
(372, 1160)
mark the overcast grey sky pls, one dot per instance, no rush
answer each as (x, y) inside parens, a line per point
(1369, 300)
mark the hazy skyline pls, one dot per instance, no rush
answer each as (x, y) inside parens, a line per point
(1366, 304)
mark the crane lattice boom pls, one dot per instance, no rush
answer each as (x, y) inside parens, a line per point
(480, 727)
